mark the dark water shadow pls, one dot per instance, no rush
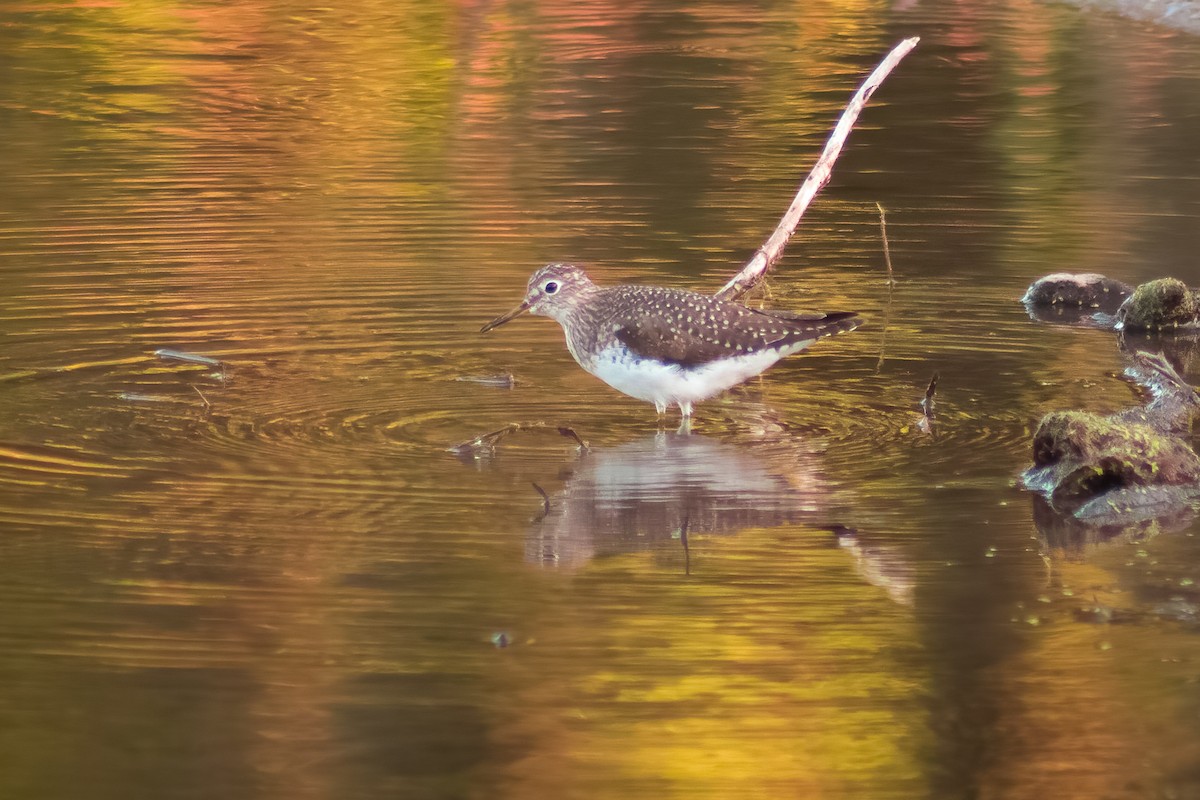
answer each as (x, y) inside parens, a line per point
(1072, 316)
(1077, 538)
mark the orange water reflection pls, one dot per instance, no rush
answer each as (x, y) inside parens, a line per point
(278, 583)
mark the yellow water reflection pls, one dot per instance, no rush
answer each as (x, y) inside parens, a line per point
(738, 682)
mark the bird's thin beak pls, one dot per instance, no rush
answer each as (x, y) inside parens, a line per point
(498, 321)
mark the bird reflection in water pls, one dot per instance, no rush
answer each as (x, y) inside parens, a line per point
(664, 487)
(880, 565)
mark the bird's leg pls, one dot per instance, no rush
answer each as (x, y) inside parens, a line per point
(685, 421)
(661, 408)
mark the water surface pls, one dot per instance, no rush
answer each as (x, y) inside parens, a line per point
(274, 580)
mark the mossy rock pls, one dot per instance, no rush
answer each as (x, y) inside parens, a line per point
(1079, 457)
(1162, 304)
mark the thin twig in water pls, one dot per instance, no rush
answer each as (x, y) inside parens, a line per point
(887, 250)
(166, 354)
(485, 442)
(571, 434)
(1158, 363)
(502, 381)
(687, 553)
(489, 439)
(891, 284)
(207, 405)
(927, 403)
(887, 317)
(545, 501)
(766, 256)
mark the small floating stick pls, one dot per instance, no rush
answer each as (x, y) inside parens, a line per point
(925, 423)
(891, 284)
(485, 442)
(167, 354)
(190, 358)
(927, 403)
(687, 552)
(545, 502)
(571, 434)
(503, 381)
(1157, 363)
(887, 250)
(207, 405)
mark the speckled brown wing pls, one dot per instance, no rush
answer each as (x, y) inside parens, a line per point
(650, 337)
(690, 329)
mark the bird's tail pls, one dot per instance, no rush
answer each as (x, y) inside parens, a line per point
(818, 326)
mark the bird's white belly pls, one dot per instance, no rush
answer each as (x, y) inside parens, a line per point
(669, 384)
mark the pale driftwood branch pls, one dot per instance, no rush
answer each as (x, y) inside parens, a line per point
(766, 256)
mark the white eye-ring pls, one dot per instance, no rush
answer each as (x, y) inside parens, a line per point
(550, 287)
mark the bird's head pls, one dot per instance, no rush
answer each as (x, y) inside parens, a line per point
(555, 291)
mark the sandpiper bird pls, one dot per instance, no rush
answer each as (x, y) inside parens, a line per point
(667, 346)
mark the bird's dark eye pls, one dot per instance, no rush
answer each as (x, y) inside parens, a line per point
(551, 287)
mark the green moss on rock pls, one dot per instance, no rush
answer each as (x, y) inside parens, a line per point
(1079, 456)
(1161, 304)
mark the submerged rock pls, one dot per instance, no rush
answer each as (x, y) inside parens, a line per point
(1126, 467)
(1093, 467)
(1093, 300)
(1163, 304)
(1135, 464)
(1180, 346)
(1173, 404)
(1086, 290)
